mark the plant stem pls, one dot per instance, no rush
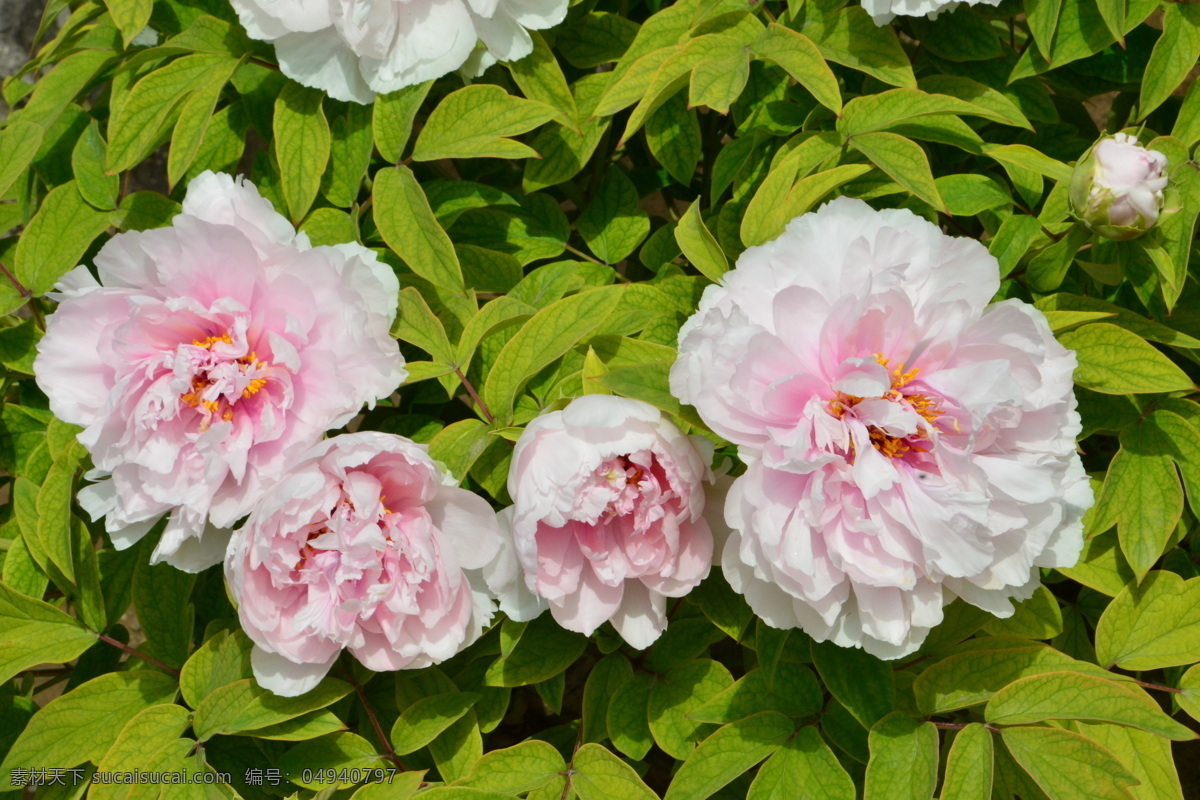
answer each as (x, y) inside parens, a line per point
(483, 409)
(1158, 686)
(383, 740)
(582, 254)
(29, 301)
(138, 654)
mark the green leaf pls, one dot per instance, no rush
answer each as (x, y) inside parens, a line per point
(595, 38)
(1070, 695)
(1039, 617)
(19, 143)
(903, 161)
(302, 144)
(859, 680)
(142, 211)
(87, 164)
(973, 677)
(245, 706)
(603, 682)
(1115, 361)
(301, 728)
(409, 227)
(1154, 625)
(717, 83)
(1174, 56)
(421, 722)
(54, 517)
(459, 445)
(139, 122)
(563, 151)
(849, 37)
(329, 226)
(518, 769)
(541, 79)
(1147, 756)
(969, 765)
(417, 324)
(699, 246)
(877, 112)
(392, 118)
(675, 695)
(1068, 766)
(144, 735)
(1025, 157)
(33, 632)
(802, 60)
(195, 117)
(57, 237)
(1187, 123)
(474, 121)
(160, 597)
(805, 761)
(131, 16)
(544, 338)
(55, 91)
(1141, 494)
(612, 224)
(728, 753)
(968, 195)
(543, 651)
(1043, 20)
(904, 759)
(796, 693)
(627, 722)
(1147, 329)
(82, 724)
(336, 752)
(599, 775)
(673, 134)
(1047, 269)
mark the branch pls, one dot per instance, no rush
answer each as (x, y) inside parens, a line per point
(483, 409)
(389, 751)
(37, 314)
(138, 654)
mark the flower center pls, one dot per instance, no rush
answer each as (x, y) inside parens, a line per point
(220, 379)
(925, 407)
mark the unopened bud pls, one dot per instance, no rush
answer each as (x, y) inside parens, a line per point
(1117, 187)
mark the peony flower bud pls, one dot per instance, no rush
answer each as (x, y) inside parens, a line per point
(906, 443)
(209, 353)
(608, 516)
(364, 545)
(1117, 187)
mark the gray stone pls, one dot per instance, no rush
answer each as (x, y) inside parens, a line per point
(18, 25)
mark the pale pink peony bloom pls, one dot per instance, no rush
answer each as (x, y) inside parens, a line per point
(366, 545)
(906, 442)
(209, 353)
(353, 49)
(607, 517)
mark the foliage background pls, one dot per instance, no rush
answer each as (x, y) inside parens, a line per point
(553, 223)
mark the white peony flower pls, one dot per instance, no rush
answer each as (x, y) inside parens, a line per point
(906, 442)
(884, 11)
(355, 49)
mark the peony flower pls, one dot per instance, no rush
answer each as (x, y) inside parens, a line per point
(906, 443)
(365, 545)
(206, 356)
(607, 516)
(1117, 187)
(884, 11)
(353, 49)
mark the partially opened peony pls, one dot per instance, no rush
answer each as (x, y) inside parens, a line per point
(366, 545)
(607, 515)
(208, 354)
(906, 442)
(354, 49)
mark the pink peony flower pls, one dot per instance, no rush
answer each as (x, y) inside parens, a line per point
(906, 442)
(366, 545)
(607, 516)
(209, 354)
